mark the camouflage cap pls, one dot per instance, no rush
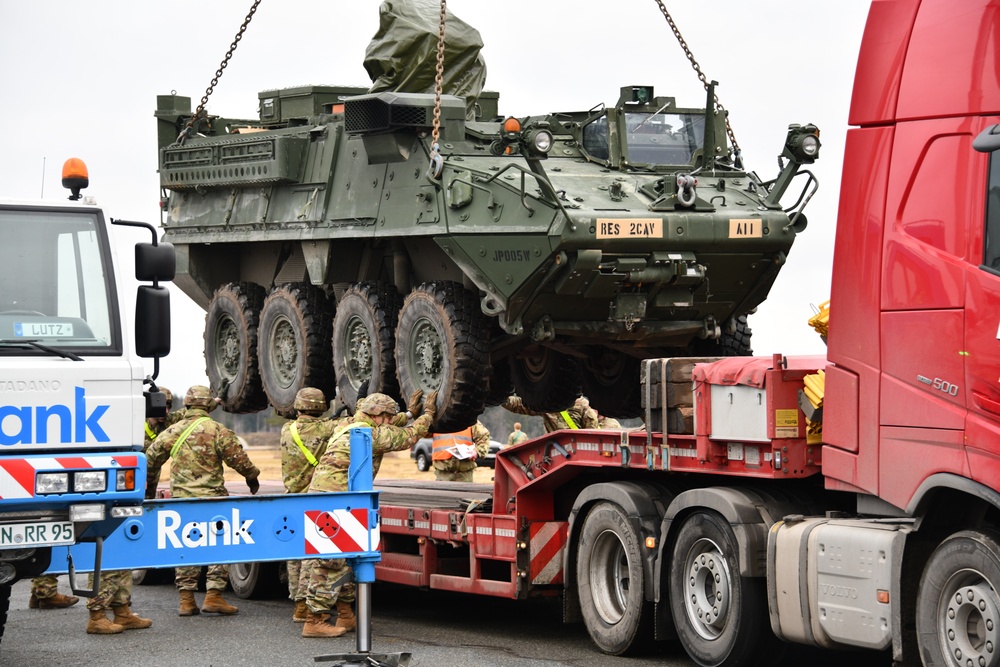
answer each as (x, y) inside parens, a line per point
(310, 399)
(169, 395)
(199, 396)
(378, 404)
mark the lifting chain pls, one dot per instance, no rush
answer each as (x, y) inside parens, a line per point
(437, 162)
(701, 75)
(218, 74)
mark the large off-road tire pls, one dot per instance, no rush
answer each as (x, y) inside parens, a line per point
(501, 386)
(294, 351)
(736, 344)
(958, 602)
(442, 344)
(611, 383)
(364, 340)
(256, 581)
(4, 606)
(609, 579)
(546, 380)
(720, 616)
(231, 329)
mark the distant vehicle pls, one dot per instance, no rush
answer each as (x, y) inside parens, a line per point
(421, 453)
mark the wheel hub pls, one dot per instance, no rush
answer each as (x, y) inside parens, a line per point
(609, 576)
(708, 590)
(428, 355)
(971, 620)
(359, 351)
(228, 345)
(284, 351)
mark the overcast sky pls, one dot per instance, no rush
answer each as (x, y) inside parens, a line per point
(80, 79)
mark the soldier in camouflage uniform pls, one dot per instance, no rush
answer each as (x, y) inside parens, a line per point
(449, 468)
(45, 594)
(155, 425)
(377, 411)
(517, 436)
(198, 446)
(303, 442)
(608, 423)
(578, 415)
(115, 593)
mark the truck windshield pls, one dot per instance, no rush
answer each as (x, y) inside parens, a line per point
(54, 268)
(650, 138)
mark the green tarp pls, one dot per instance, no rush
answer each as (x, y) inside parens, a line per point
(402, 56)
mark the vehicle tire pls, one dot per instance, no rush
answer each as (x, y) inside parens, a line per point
(609, 579)
(721, 617)
(501, 386)
(152, 576)
(4, 606)
(611, 383)
(546, 380)
(364, 340)
(231, 327)
(256, 581)
(423, 462)
(295, 327)
(736, 344)
(442, 344)
(958, 603)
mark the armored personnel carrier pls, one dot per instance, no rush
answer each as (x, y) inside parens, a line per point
(544, 254)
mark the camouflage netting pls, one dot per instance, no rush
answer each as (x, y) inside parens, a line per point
(402, 55)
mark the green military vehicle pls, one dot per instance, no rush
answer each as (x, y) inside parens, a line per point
(332, 246)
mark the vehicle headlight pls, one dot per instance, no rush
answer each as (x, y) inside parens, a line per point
(91, 480)
(541, 141)
(810, 145)
(51, 482)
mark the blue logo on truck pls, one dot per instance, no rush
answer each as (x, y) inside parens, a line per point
(27, 424)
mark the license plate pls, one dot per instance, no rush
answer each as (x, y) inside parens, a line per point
(35, 534)
(43, 329)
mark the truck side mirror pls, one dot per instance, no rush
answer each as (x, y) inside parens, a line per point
(155, 263)
(988, 140)
(152, 321)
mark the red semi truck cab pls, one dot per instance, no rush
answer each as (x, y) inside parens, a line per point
(912, 400)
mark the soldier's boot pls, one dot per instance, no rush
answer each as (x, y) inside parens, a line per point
(214, 604)
(301, 612)
(125, 618)
(57, 601)
(345, 616)
(188, 606)
(316, 627)
(100, 625)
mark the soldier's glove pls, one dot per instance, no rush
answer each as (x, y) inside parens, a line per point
(254, 485)
(416, 403)
(430, 405)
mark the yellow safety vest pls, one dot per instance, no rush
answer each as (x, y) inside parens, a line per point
(569, 420)
(185, 434)
(298, 441)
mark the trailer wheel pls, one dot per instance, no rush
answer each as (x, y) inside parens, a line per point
(295, 326)
(231, 326)
(546, 380)
(255, 581)
(442, 344)
(4, 606)
(721, 617)
(609, 579)
(364, 340)
(611, 383)
(958, 604)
